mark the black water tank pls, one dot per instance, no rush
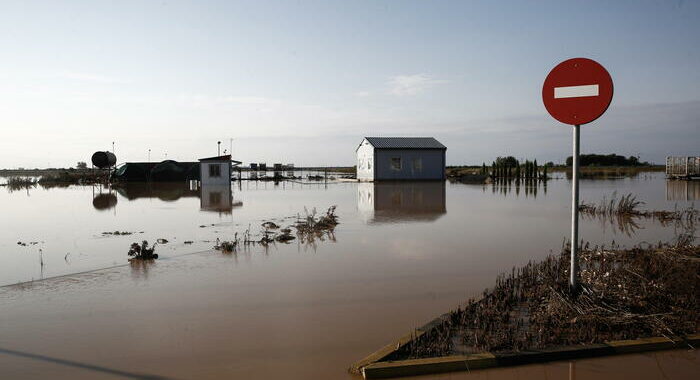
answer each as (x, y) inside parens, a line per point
(104, 160)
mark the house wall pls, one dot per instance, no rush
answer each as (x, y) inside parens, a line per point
(431, 164)
(225, 170)
(365, 161)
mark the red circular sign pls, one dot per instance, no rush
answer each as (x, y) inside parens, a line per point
(577, 91)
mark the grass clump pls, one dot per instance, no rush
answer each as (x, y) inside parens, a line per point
(142, 251)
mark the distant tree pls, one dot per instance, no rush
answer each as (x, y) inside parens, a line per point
(535, 169)
(549, 163)
(81, 165)
(606, 160)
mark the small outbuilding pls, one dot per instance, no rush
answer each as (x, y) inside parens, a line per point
(400, 158)
(216, 170)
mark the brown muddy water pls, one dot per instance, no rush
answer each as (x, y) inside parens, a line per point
(402, 255)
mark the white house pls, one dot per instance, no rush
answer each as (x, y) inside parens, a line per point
(400, 158)
(215, 170)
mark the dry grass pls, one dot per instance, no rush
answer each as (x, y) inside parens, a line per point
(626, 294)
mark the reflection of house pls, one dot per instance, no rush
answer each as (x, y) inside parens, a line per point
(677, 190)
(400, 158)
(217, 198)
(387, 202)
(216, 170)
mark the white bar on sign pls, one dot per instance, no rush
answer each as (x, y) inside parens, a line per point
(575, 91)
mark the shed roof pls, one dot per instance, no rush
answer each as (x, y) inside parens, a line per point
(217, 158)
(405, 143)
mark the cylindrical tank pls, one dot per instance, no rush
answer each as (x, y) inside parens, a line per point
(104, 160)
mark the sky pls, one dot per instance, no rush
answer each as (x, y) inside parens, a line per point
(304, 81)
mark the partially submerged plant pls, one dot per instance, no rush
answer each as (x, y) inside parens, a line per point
(307, 229)
(142, 252)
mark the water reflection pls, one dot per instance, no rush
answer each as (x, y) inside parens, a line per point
(104, 201)
(529, 187)
(165, 191)
(218, 198)
(679, 190)
(401, 202)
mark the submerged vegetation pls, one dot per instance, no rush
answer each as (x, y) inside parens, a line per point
(20, 183)
(142, 251)
(308, 229)
(626, 294)
(628, 206)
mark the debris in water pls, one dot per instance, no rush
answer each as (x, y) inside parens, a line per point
(188, 242)
(117, 233)
(162, 241)
(142, 252)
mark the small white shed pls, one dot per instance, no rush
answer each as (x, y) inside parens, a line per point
(400, 158)
(215, 170)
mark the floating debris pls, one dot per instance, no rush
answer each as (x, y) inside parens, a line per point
(188, 242)
(142, 252)
(270, 225)
(117, 233)
(162, 241)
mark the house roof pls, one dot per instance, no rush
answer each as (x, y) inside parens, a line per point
(405, 143)
(217, 158)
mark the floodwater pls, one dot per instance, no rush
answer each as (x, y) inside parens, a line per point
(403, 254)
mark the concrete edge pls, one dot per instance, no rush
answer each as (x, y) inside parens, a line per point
(424, 366)
(390, 348)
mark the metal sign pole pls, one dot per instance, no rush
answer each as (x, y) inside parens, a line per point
(573, 281)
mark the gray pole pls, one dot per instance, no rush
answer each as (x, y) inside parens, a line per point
(573, 281)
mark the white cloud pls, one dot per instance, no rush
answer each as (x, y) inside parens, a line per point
(402, 85)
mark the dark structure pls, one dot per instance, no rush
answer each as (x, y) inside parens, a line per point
(165, 171)
(104, 160)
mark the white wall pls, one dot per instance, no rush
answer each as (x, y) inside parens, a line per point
(224, 169)
(365, 161)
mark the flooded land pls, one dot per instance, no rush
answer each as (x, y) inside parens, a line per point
(73, 306)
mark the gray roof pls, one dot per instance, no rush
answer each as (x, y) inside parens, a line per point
(405, 143)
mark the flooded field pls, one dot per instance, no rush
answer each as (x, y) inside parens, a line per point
(402, 254)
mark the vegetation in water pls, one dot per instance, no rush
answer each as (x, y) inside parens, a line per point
(20, 183)
(142, 251)
(307, 229)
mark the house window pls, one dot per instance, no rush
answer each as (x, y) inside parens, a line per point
(369, 164)
(396, 163)
(214, 170)
(418, 164)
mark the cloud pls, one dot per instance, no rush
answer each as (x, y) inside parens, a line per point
(363, 94)
(402, 85)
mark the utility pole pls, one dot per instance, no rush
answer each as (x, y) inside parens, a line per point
(218, 148)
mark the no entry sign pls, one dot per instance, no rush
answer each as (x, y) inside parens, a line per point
(577, 91)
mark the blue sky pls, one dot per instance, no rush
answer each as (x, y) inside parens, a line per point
(304, 81)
